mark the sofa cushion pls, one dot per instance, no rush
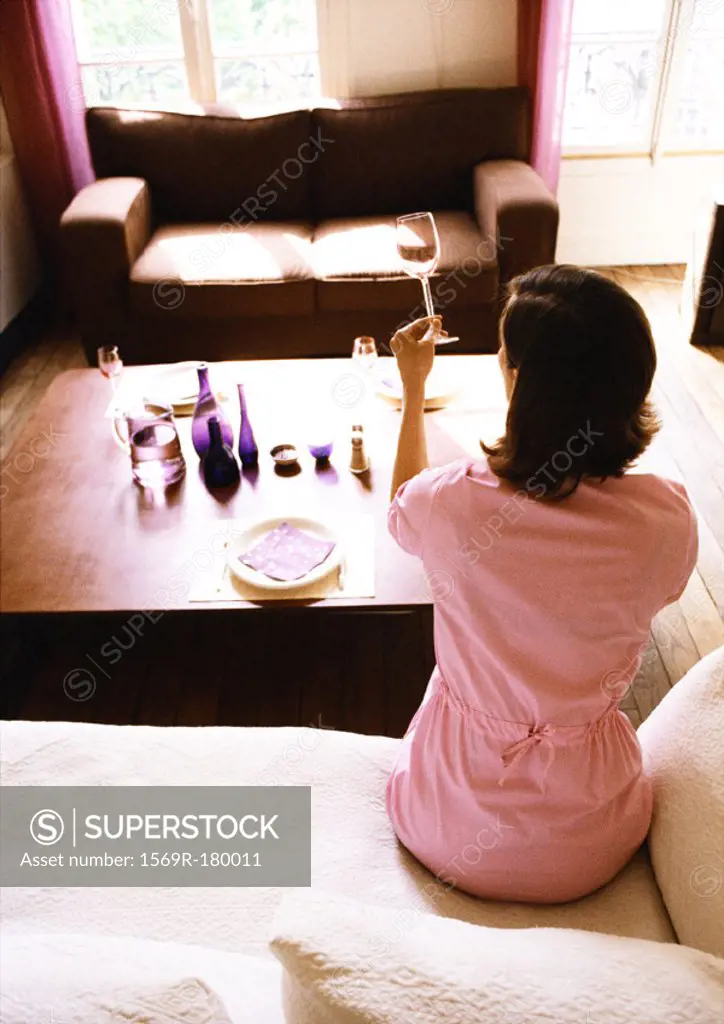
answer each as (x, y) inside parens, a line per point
(683, 746)
(206, 168)
(357, 266)
(212, 270)
(414, 151)
(353, 845)
(366, 964)
(84, 976)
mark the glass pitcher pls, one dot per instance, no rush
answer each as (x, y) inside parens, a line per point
(147, 431)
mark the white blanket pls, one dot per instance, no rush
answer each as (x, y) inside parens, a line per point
(87, 979)
(354, 851)
(360, 964)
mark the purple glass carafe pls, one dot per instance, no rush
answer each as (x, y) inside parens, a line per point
(206, 407)
(248, 451)
(220, 465)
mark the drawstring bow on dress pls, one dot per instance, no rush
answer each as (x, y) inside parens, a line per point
(512, 754)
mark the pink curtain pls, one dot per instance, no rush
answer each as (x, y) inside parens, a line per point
(43, 99)
(544, 32)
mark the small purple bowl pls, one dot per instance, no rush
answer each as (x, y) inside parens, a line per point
(321, 451)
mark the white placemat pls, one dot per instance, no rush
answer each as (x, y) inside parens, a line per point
(356, 577)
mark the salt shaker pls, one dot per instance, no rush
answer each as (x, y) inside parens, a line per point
(358, 461)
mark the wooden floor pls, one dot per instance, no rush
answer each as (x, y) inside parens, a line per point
(689, 395)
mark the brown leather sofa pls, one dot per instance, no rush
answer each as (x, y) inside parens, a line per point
(214, 237)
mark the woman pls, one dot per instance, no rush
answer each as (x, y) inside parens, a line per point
(519, 778)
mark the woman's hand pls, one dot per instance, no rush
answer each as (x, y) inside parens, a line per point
(414, 348)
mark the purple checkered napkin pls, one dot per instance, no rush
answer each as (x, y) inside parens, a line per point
(287, 553)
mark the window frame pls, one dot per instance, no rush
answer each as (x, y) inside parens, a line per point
(197, 53)
(679, 18)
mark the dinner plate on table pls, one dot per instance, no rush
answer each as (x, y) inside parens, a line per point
(440, 389)
(248, 536)
(176, 385)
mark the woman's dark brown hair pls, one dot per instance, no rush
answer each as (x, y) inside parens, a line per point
(585, 360)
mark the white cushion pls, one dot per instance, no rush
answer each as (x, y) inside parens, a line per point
(353, 844)
(360, 964)
(188, 1001)
(84, 977)
(683, 742)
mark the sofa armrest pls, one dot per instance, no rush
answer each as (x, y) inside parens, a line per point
(683, 747)
(108, 224)
(104, 231)
(515, 208)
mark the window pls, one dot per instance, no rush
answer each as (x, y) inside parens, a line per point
(264, 50)
(164, 52)
(645, 77)
(698, 119)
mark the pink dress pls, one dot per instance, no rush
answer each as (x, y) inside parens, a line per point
(519, 778)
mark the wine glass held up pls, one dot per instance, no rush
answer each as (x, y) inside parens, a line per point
(418, 246)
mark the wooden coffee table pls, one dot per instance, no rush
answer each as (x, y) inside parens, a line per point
(85, 550)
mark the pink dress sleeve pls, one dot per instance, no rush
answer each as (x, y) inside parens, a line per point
(690, 551)
(409, 513)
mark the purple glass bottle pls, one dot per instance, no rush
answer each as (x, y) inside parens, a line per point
(220, 466)
(206, 407)
(248, 451)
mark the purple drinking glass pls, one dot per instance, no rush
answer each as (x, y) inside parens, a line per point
(206, 407)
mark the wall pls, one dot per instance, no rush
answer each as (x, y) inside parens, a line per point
(621, 211)
(613, 211)
(372, 47)
(19, 267)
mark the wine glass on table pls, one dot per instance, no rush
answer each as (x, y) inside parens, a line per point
(418, 245)
(110, 364)
(364, 352)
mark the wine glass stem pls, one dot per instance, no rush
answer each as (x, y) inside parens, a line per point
(428, 295)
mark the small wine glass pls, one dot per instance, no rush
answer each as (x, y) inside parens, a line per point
(418, 245)
(364, 352)
(110, 364)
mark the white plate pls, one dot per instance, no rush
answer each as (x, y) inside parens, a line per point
(178, 386)
(439, 389)
(253, 533)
